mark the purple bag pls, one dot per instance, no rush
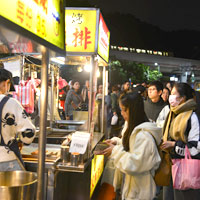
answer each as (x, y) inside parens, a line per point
(186, 172)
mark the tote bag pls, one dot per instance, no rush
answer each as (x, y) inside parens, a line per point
(186, 172)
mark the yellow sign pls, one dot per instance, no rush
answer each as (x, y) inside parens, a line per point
(104, 39)
(44, 18)
(96, 171)
(80, 28)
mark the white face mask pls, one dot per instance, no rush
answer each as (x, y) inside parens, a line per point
(174, 101)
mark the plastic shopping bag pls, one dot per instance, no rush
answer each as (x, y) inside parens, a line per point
(114, 120)
(186, 172)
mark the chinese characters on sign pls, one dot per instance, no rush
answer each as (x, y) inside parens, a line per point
(43, 18)
(25, 16)
(81, 38)
(80, 30)
(43, 4)
(77, 18)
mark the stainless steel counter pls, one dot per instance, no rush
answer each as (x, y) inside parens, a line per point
(57, 173)
(69, 122)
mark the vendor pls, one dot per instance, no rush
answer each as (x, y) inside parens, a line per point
(73, 100)
(15, 126)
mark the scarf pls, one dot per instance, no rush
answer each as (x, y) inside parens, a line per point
(176, 123)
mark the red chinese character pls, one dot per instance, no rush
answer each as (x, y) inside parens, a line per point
(87, 37)
(20, 11)
(76, 36)
(79, 38)
(43, 3)
(29, 17)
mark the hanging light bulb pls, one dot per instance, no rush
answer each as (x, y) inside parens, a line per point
(87, 68)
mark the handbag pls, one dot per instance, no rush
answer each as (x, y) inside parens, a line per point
(162, 175)
(76, 107)
(186, 172)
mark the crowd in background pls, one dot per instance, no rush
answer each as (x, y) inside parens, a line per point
(139, 119)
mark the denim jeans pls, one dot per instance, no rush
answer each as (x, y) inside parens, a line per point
(10, 166)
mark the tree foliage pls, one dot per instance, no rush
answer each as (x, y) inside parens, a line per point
(121, 71)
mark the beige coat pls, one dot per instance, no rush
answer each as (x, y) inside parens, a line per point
(139, 164)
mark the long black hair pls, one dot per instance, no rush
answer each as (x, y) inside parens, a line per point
(134, 103)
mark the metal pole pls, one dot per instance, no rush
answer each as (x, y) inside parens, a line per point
(91, 94)
(52, 97)
(103, 100)
(43, 117)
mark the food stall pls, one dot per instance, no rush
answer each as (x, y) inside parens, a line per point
(62, 174)
(87, 44)
(37, 28)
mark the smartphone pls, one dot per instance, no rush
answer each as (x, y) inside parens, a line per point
(101, 146)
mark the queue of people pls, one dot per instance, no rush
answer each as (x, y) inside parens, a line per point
(148, 117)
(166, 118)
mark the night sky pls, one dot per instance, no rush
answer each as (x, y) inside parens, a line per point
(167, 14)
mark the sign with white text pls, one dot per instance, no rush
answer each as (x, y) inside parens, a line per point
(79, 142)
(104, 39)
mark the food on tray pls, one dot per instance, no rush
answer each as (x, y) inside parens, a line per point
(48, 153)
(35, 152)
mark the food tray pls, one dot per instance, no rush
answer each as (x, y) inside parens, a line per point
(31, 152)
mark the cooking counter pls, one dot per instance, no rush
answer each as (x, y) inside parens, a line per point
(64, 181)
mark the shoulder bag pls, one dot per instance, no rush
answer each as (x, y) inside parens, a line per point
(163, 173)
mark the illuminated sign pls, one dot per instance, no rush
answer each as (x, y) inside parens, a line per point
(103, 41)
(96, 171)
(86, 32)
(80, 28)
(43, 18)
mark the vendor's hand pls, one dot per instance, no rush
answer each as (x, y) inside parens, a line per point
(167, 145)
(110, 142)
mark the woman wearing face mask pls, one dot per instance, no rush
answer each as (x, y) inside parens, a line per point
(181, 128)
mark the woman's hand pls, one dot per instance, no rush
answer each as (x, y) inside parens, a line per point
(108, 151)
(167, 145)
(110, 142)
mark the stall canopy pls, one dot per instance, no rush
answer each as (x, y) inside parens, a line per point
(86, 33)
